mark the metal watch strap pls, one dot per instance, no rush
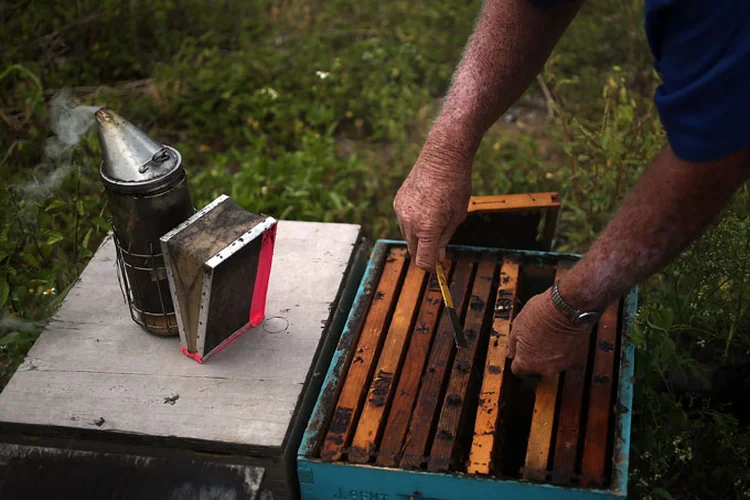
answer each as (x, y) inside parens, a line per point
(570, 311)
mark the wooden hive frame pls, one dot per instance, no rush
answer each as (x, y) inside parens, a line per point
(408, 400)
(528, 221)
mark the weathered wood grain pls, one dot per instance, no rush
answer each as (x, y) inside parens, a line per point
(433, 381)
(93, 361)
(423, 334)
(361, 368)
(445, 454)
(485, 438)
(372, 419)
(600, 400)
(513, 202)
(42, 472)
(542, 422)
(113, 397)
(569, 422)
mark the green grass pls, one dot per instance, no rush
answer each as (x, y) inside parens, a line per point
(237, 88)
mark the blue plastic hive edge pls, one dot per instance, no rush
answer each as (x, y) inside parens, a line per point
(621, 453)
(339, 481)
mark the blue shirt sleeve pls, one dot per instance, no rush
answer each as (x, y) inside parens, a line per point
(702, 51)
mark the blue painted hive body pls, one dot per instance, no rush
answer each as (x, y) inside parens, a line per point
(403, 414)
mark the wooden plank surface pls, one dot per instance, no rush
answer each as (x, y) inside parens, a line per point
(569, 422)
(485, 440)
(513, 202)
(400, 413)
(445, 454)
(35, 472)
(600, 400)
(366, 353)
(372, 419)
(540, 435)
(92, 361)
(434, 378)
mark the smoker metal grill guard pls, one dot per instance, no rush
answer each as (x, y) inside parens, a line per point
(218, 264)
(403, 414)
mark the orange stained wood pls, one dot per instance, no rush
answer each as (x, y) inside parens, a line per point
(514, 202)
(485, 437)
(381, 389)
(540, 435)
(399, 416)
(434, 378)
(600, 400)
(363, 359)
(569, 422)
(445, 454)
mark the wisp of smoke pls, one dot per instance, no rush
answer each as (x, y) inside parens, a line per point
(51, 177)
(70, 123)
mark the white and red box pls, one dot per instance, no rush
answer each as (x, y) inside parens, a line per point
(218, 265)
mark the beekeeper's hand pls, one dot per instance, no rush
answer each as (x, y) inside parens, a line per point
(543, 341)
(432, 202)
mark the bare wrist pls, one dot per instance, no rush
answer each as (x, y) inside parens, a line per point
(579, 295)
(444, 159)
(454, 139)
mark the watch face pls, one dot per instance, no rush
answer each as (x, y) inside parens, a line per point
(587, 319)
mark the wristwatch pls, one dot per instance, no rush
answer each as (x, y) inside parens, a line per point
(579, 318)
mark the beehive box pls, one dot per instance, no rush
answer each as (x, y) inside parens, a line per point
(404, 414)
(528, 221)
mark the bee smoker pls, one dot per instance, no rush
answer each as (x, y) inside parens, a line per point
(146, 186)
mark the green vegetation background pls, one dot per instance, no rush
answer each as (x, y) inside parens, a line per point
(316, 111)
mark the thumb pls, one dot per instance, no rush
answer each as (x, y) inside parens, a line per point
(441, 254)
(519, 367)
(427, 251)
(512, 340)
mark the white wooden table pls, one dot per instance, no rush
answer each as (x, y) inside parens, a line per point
(94, 374)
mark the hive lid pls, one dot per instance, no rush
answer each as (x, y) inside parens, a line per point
(133, 162)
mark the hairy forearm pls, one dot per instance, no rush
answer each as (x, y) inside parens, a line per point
(510, 43)
(669, 207)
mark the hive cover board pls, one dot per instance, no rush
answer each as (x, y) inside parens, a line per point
(403, 398)
(218, 264)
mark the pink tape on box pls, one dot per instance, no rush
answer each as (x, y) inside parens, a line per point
(258, 308)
